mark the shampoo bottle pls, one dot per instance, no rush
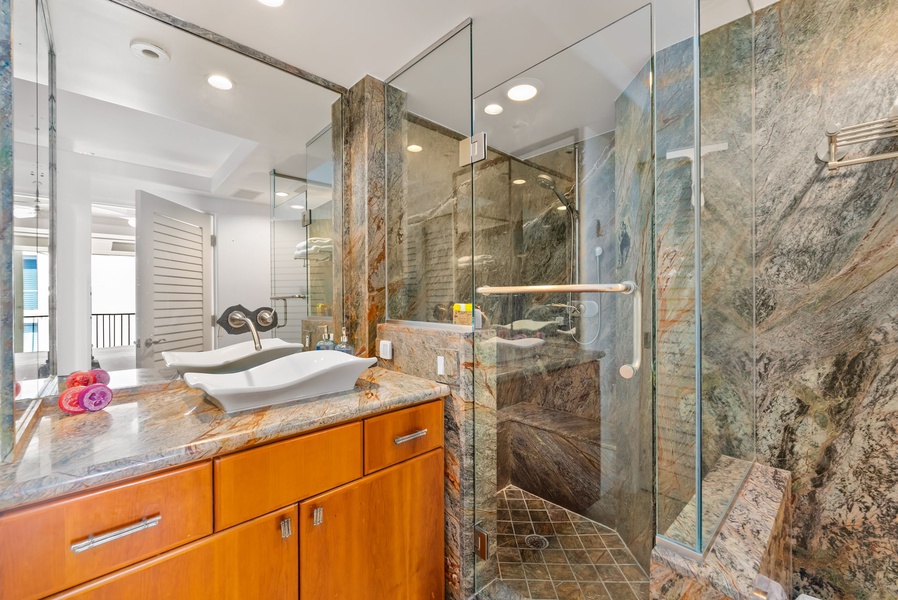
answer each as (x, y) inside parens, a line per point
(344, 345)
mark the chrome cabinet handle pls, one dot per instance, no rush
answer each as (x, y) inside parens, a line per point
(318, 516)
(412, 436)
(286, 527)
(94, 541)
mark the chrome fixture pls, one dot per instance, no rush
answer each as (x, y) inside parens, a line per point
(832, 151)
(548, 182)
(238, 320)
(627, 287)
(94, 541)
(412, 436)
(284, 300)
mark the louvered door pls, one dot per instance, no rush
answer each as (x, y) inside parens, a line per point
(174, 279)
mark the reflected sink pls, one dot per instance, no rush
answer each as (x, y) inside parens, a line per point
(286, 379)
(230, 359)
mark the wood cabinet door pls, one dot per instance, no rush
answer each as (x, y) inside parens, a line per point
(255, 560)
(379, 537)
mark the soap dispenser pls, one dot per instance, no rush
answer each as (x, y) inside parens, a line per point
(327, 342)
(344, 345)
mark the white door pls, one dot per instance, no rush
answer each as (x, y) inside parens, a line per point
(174, 279)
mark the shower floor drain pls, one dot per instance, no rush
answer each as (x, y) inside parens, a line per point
(537, 542)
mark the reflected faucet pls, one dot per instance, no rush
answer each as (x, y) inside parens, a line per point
(238, 320)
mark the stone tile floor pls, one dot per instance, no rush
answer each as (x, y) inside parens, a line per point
(581, 559)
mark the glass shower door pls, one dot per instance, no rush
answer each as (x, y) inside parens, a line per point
(563, 246)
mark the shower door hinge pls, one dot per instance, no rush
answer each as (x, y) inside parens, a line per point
(483, 542)
(213, 240)
(472, 150)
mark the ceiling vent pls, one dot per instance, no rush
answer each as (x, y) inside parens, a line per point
(246, 194)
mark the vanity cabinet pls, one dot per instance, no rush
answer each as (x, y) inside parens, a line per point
(257, 559)
(351, 512)
(376, 538)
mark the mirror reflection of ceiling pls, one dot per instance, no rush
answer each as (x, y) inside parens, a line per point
(159, 124)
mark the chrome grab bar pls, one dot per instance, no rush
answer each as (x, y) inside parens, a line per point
(627, 287)
(620, 288)
(412, 436)
(99, 540)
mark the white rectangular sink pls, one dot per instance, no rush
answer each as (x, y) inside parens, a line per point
(287, 379)
(230, 359)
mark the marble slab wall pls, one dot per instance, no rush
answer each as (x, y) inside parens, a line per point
(7, 374)
(827, 294)
(415, 351)
(364, 215)
(751, 551)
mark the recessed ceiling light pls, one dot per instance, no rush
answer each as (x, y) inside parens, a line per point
(522, 92)
(220, 82)
(149, 51)
(414, 148)
(297, 206)
(281, 194)
(519, 181)
(272, 2)
(493, 109)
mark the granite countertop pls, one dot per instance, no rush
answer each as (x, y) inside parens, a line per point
(144, 432)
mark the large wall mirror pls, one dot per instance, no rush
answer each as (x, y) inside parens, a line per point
(167, 147)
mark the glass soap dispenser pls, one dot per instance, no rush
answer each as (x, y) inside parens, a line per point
(327, 342)
(344, 345)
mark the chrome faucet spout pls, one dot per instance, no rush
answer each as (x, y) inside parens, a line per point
(237, 320)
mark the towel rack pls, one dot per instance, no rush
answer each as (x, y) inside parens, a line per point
(627, 288)
(833, 152)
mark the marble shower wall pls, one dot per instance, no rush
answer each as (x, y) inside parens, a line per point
(827, 289)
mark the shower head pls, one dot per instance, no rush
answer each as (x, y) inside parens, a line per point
(548, 182)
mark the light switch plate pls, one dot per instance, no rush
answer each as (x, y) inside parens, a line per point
(450, 365)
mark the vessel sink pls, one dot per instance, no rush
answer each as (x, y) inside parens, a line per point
(287, 379)
(230, 359)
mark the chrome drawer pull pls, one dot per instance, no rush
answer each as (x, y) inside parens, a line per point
(94, 541)
(410, 437)
(286, 528)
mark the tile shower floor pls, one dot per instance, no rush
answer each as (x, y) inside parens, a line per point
(581, 559)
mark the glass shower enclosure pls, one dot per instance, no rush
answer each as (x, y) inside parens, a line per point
(598, 246)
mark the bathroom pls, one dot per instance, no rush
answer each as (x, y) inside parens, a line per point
(630, 264)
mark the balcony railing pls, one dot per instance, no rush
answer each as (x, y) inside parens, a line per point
(112, 329)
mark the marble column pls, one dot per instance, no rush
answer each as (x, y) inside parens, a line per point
(364, 212)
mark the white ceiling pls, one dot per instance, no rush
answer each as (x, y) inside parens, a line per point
(343, 40)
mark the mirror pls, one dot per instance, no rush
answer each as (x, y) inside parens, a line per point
(31, 259)
(167, 143)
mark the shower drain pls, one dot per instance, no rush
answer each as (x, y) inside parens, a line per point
(537, 542)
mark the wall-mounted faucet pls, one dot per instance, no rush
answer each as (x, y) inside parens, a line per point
(238, 320)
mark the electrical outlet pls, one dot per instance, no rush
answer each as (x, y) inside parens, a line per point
(446, 366)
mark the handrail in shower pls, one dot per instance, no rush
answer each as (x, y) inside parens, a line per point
(621, 288)
(627, 287)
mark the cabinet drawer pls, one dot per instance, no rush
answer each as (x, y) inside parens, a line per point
(258, 559)
(258, 481)
(397, 436)
(45, 549)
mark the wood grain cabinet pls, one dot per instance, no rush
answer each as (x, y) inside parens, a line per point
(278, 533)
(255, 560)
(378, 538)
